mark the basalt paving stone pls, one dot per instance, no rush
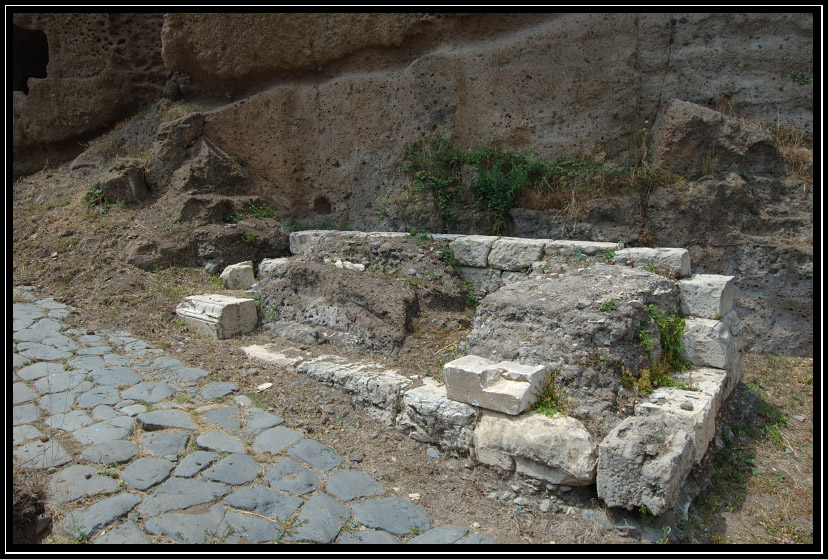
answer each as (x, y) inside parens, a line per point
(78, 481)
(103, 412)
(60, 402)
(37, 331)
(146, 472)
(225, 418)
(94, 351)
(152, 392)
(188, 528)
(114, 452)
(367, 537)
(220, 442)
(289, 476)
(347, 485)
(115, 376)
(165, 364)
(440, 535)
(87, 522)
(218, 389)
(27, 413)
(133, 409)
(392, 514)
(165, 419)
(23, 433)
(257, 420)
(115, 359)
(40, 352)
(39, 370)
(274, 440)
(250, 529)
(264, 501)
(103, 432)
(194, 462)
(59, 341)
(315, 454)
(40, 454)
(60, 382)
(100, 395)
(166, 445)
(236, 469)
(125, 534)
(86, 362)
(179, 493)
(21, 393)
(69, 421)
(91, 339)
(475, 539)
(19, 361)
(320, 520)
(188, 376)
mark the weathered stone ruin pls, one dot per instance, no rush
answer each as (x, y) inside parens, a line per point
(575, 309)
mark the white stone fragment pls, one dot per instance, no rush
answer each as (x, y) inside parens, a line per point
(222, 316)
(505, 386)
(274, 267)
(513, 254)
(472, 250)
(239, 276)
(675, 260)
(707, 295)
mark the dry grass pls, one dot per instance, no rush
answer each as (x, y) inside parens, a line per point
(28, 502)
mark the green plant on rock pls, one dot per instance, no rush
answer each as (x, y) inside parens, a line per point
(548, 399)
(607, 306)
(801, 78)
(671, 360)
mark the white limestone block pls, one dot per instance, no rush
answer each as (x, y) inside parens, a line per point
(222, 316)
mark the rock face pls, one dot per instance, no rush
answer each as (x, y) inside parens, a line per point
(79, 74)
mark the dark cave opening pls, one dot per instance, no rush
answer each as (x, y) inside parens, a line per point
(30, 55)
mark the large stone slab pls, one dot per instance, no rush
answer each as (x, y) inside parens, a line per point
(274, 267)
(513, 254)
(558, 449)
(505, 386)
(472, 250)
(707, 295)
(238, 276)
(587, 248)
(713, 343)
(673, 261)
(218, 315)
(428, 415)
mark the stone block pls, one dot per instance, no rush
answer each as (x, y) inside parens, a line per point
(305, 242)
(707, 295)
(238, 276)
(429, 416)
(484, 280)
(644, 462)
(557, 449)
(513, 254)
(675, 261)
(274, 268)
(218, 315)
(712, 343)
(472, 250)
(505, 386)
(588, 248)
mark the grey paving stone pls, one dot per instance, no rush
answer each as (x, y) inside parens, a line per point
(225, 418)
(194, 462)
(180, 493)
(243, 400)
(21, 393)
(146, 472)
(257, 420)
(116, 376)
(61, 342)
(94, 351)
(60, 402)
(69, 421)
(49, 303)
(289, 476)
(86, 523)
(320, 520)
(86, 362)
(103, 412)
(39, 370)
(78, 481)
(90, 339)
(250, 529)
(392, 514)
(38, 455)
(19, 361)
(220, 442)
(347, 485)
(114, 452)
(27, 310)
(102, 432)
(236, 469)
(27, 413)
(19, 324)
(165, 419)
(475, 538)
(126, 534)
(38, 331)
(151, 392)
(367, 537)
(189, 376)
(100, 395)
(315, 454)
(115, 359)
(23, 433)
(40, 352)
(264, 501)
(165, 363)
(133, 409)
(274, 440)
(185, 528)
(166, 445)
(218, 390)
(440, 535)
(59, 382)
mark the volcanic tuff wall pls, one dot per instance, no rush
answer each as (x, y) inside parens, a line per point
(320, 107)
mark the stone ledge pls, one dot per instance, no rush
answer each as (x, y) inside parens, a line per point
(707, 295)
(217, 315)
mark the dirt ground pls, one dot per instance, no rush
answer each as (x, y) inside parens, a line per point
(761, 482)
